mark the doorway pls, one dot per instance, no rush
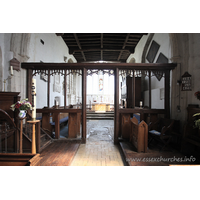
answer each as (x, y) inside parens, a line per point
(100, 106)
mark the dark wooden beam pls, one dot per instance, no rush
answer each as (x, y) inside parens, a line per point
(116, 119)
(133, 39)
(133, 66)
(60, 110)
(59, 34)
(149, 89)
(102, 40)
(29, 84)
(167, 93)
(145, 110)
(101, 46)
(101, 55)
(111, 45)
(84, 88)
(127, 37)
(68, 39)
(77, 40)
(72, 51)
(133, 90)
(48, 89)
(137, 35)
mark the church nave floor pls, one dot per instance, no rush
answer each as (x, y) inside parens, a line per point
(99, 149)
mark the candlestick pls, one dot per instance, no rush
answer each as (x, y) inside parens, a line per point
(11, 70)
(33, 89)
(140, 103)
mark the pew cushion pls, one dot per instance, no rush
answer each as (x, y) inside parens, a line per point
(155, 132)
(65, 119)
(137, 116)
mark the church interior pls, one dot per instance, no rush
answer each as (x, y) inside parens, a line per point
(99, 99)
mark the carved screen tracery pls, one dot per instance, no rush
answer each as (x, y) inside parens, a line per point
(96, 71)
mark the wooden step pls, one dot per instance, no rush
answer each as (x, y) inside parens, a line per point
(15, 159)
(99, 115)
(35, 160)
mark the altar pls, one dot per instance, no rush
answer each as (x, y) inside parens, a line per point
(100, 107)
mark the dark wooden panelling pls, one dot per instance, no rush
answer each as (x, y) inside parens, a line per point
(133, 91)
(84, 86)
(72, 130)
(126, 125)
(6, 100)
(116, 120)
(167, 93)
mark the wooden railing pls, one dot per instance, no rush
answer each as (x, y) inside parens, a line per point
(8, 133)
(145, 114)
(17, 138)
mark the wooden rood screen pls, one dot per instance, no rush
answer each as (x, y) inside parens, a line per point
(117, 68)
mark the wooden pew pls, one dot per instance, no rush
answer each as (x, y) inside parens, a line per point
(139, 135)
(63, 119)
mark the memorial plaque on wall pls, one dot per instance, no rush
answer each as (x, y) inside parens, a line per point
(152, 51)
(186, 82)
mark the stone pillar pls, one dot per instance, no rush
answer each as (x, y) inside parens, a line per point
(1, 72)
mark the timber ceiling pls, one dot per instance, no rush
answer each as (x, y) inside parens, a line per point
(110, 47)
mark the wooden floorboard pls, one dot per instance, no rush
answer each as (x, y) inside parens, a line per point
(59, 153)
(48, 154)
(153, 157)
(67, 160)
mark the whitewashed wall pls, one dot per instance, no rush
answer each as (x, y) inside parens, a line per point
(28, 48)
(53, 50)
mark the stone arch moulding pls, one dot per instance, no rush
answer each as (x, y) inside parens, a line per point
(19, 45)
